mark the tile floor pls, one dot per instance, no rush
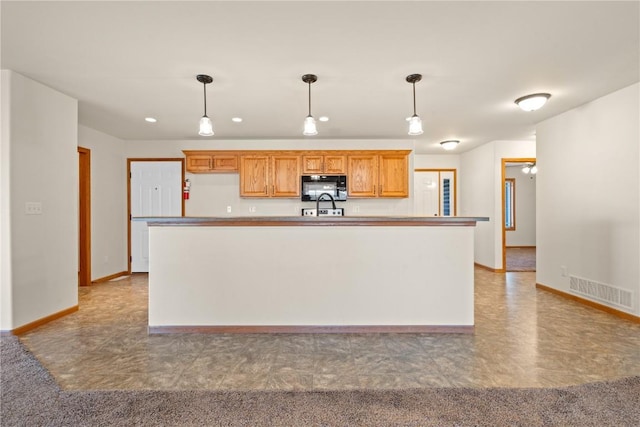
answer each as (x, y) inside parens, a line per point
(523, 338)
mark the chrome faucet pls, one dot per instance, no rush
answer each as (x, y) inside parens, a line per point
(333, 202)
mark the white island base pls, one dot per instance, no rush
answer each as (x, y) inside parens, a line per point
(311, 276)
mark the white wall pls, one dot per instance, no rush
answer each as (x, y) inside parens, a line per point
(436, 161)
(212, 193)
(588, 211)
(477, 198)
(108, 202)
(525, 209)
(42, 141)
(6, 298)
(481, 193)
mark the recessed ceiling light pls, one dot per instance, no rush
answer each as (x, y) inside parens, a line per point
(236, 119)
(150, 119)
(323, 118)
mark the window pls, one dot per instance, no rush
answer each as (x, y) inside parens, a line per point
(510, 204)
(446, 197)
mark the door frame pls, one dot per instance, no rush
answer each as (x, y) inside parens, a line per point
(502, 208)
(84, 216)
(455, 186)
(145, 159)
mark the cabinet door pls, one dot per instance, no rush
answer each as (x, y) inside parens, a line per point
(198, 163)
(285, 176)
(394, 177)
(224, 163)
(312, 164)
(254, 172)
(335, 164)
(363, 176)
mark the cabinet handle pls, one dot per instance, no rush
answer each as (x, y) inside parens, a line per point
(265, 190)
(273, 189)
(380, 189)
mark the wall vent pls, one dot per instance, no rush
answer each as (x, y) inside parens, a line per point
(601, 292)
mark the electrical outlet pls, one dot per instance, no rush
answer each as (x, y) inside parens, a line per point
(106, 259)
(33, 208)
(228, 209)
(356, 209)
(252, 209)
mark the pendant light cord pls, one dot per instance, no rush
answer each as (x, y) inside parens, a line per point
(414, 98)
(205, 99)
(309, 98)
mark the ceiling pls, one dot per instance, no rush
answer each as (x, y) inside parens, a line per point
(125, 61)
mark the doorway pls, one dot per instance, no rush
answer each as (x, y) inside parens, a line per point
(84, 216)
(518, 214)
(434, 192)
(154, 189)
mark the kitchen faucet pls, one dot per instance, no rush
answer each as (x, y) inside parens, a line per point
(333, 202)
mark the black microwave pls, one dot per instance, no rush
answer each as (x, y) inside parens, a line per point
(312, 186)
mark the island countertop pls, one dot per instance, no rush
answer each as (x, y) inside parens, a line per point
(262, 221)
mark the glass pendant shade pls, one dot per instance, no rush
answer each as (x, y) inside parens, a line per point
(526, 169)
(532, 102)
(415, 125)
(534, 169)
(206, 126)
(310, 126)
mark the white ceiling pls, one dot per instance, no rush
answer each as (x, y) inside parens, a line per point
(124, 61)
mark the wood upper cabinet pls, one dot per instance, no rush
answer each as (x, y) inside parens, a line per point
(393, 175)
(254, 176)
(285, 176)
(363, 175)
(198, 163)
(203, 162)
(270, 176)
(370, 173)
(379, 175)
(328, 164)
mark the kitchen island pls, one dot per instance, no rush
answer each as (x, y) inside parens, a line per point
(310, 274)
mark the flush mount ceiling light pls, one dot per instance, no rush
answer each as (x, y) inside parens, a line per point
(415, 124)
(450, 144)
(309, 122)
(530, 168)
(206, 126)
(236, 119)
(532, 102)
(150, 119)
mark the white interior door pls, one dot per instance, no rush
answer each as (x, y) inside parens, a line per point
(156, 190)
(425, 192)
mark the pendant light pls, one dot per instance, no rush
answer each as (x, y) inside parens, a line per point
(206, 126)
(415, 124)
(310, 122)
(532, 102)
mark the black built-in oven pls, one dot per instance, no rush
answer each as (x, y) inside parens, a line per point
(312, 186)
